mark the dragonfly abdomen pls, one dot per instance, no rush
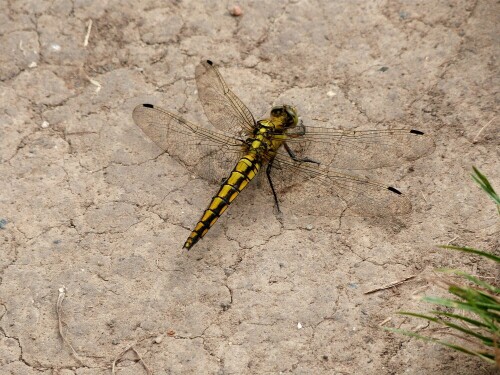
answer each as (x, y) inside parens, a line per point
(244, 171)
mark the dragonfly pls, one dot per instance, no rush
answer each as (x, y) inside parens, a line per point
(290, 154)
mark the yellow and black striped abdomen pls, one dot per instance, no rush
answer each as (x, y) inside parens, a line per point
(245, 170)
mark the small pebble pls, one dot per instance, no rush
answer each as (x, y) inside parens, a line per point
(403, 15)
(55, 47)
(158, 339)
(299, 326)
(331, 94)
(235, 11)
(309, 227)
(45, 124)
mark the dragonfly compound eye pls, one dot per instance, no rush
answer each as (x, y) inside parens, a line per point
(277, 112)
(293, 119)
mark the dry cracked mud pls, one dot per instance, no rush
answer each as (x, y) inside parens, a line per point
(94, 215)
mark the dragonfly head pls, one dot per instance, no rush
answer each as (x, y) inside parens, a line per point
(284, 116)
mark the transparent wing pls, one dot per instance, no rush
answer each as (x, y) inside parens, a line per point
(368, 149)
(325, 191)
(207, 153)
(222, 107)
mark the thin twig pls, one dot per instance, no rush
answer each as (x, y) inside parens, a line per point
(95, 83)
(418, 290)
(130, 347)
(391, 285)
(385, 321)
(148, 371)
(402, 322)
(422, 326)
(86, 40)
(423, 195)
(448, 331)
(59, 311)
(113, 364)
(474, 269)
(481, 130)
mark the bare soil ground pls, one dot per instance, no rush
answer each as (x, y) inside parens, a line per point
(94, 214)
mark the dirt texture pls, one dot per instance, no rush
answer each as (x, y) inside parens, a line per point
(94, 215)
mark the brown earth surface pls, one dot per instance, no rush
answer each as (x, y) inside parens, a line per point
(94, 215)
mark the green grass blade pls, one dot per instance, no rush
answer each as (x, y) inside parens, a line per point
(475, 307)
(470, 294)
(486, 340)
(437, 320)
(472, 251)
(417, 315)
(490, 358)
(488, 316)
(465, 319)
(446, 302)
(483, 182)
(472, 279)
(474, 296)
(487, 323)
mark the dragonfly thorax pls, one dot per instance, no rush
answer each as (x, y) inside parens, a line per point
(260, 141)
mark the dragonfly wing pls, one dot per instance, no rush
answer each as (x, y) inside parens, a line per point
(343, 149)
(222, 107)
(207, 153)
(315, 189)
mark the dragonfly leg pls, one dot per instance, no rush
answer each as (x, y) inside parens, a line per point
(300, 129)
(295, 158)
(268, 174)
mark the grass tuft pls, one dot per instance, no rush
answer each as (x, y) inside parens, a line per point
(476, 304)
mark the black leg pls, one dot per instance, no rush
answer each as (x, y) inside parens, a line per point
(268, 173)
(300, 129)
(295, 158)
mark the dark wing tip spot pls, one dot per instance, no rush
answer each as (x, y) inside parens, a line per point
(394, 190)
(148, 105)
(418, 132)
(209, 62)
